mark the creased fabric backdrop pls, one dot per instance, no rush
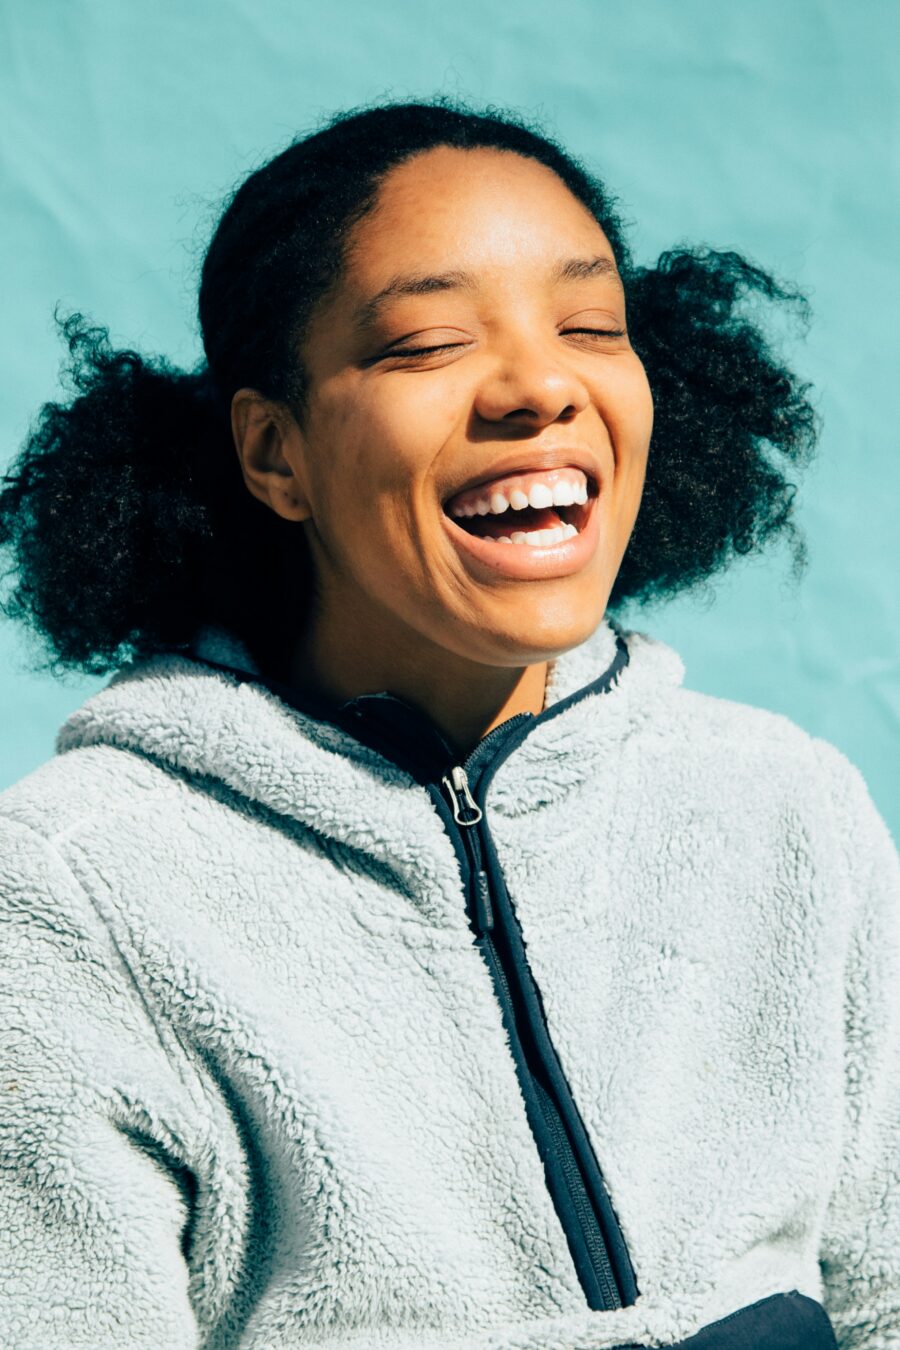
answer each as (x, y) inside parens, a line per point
(767, 127)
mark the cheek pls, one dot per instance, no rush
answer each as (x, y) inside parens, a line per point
(387, 434)
(644, 398)
(626, 404)
(366, 451)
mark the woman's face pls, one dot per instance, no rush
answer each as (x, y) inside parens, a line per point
(476, 343)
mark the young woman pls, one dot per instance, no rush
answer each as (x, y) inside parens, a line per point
(396, 952)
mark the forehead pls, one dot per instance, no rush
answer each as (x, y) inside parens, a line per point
(480, 208)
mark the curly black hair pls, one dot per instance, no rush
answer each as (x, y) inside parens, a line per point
(126, 516)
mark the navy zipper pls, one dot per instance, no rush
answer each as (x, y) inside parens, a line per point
(598, 1257)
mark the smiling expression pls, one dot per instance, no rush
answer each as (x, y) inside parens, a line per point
(477, 331)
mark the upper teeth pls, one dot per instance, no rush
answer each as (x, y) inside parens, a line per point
(564, 493)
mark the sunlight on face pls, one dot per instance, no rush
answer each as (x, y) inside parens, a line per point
(479, 327)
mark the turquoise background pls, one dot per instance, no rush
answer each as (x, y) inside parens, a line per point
(768, 127)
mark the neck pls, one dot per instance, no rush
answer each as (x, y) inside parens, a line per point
(465, 700)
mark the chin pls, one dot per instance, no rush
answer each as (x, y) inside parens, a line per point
(528, 638)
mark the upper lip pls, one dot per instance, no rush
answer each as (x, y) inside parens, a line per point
(532, 461)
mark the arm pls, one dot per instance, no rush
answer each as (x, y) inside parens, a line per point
(860, 1246)
(90, 1220)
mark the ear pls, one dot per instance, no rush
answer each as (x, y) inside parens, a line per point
(269, 445)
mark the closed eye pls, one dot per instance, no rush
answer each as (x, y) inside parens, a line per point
(423, 351)
(450, 346)
(597, 332)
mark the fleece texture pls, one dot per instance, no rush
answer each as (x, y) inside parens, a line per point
(256, 1091)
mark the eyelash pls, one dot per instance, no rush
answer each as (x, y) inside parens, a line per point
(449, 346)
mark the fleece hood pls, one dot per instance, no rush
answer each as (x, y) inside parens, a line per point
(204, 720)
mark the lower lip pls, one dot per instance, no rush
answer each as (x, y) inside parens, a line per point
(529, 562)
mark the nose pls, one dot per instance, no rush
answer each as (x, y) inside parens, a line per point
(531, 386)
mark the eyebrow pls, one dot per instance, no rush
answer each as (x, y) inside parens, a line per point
(568, 269)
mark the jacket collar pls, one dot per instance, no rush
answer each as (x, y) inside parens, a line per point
(199, 719)
(402, 732)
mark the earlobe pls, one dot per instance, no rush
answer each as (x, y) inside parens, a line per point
(264, 439)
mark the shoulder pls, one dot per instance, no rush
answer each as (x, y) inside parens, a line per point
(716, 734)
(754, 762)
(703, 729)
(73, 788)
(760, 738)
(722, 723)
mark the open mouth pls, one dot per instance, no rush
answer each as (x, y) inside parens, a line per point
(538, 514)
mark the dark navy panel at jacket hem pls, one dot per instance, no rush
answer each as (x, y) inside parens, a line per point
(789, 1321)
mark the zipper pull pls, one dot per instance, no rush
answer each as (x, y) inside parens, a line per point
(484, 912)
(458, 783)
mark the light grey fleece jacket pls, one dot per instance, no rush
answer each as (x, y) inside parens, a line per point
(256, 1088)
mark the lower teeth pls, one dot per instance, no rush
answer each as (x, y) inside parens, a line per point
(536, 538)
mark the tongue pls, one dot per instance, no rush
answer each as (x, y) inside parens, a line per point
(532, 518)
